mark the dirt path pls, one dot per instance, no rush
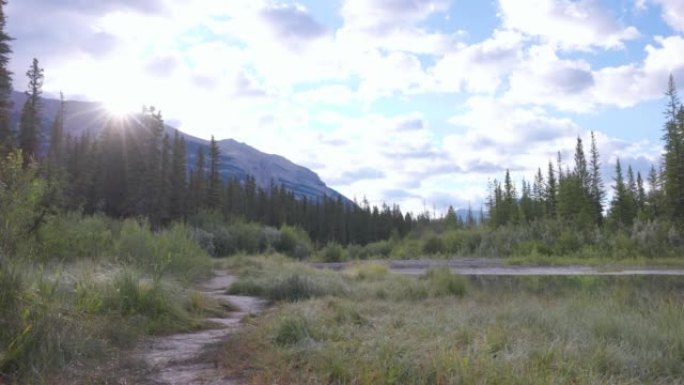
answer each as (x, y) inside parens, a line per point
(189, 358)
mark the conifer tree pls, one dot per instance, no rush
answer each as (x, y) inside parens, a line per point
(178, 177)
(622, 210)
(596, 187)
(56, 151)
(214, 192)
(30, 124)
(551, 193)
(6, 136)
(673, 165)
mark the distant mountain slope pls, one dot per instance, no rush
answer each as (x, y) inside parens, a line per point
(238, 160)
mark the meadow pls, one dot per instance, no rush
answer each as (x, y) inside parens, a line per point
(366, 325)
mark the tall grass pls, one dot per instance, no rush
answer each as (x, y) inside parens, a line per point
(92, 287)
(500, 330)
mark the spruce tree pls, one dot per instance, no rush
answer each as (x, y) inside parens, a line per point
(622, 210)
(178, 177)
(30, 124)
(6, 136)
(673, 164)
(596, 188)
(551, 193)
(56, 151)
(214, 192)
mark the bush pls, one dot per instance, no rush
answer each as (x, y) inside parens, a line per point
(73, 236)
(433, 245)
(294, 242)
(381, 249)
(170, 251)
(131, 296)
(333, 252)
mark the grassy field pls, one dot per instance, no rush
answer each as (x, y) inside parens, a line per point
(367, 326)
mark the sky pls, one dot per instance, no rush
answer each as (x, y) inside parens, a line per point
(415, 102)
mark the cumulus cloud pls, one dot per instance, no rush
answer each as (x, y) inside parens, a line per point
(568, 24)
(479, 67)
(672, 12)
(292, 22)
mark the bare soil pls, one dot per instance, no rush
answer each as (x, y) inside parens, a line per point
(190, 358)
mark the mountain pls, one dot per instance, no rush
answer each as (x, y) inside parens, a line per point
(238, 160)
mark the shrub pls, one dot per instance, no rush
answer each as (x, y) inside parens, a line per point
(74, 236)
(333, 252)
(433, 245)
(378, 249)
(294, 242)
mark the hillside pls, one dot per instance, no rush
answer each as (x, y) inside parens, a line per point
(238, 160)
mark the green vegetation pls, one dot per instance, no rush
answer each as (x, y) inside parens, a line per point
(79, 289)
(359, 327)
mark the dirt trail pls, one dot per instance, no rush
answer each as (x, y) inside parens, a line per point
(189, 358)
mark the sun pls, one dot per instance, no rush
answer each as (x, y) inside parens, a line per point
(120, 105)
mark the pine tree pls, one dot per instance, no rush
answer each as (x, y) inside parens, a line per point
(451, 220)
(641, 193)
(197, 182)
(6, 136)
(581, 170)
(673, 177)
(214, 192)
(30, 125)
(178, 178)
(596, 188)
(622, 209)
(551, 193)
(56, 151)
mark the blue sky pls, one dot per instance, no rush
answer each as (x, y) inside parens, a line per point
(416, 102)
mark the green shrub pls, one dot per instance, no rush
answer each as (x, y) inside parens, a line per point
(381, 249)
(74, 236)
(294, 242)
(333, 252)
(407, 249)
(173, 250)
(161, 311)
(433, 245)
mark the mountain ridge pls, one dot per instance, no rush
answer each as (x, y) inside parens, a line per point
(238, 160)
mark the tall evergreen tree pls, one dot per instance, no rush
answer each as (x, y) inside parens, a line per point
(56, 151)
(178, 177)
(596, 188)
(673, 164)
(551, 193)
(6, 136)
(30, 124)
(622, 210)
(215, 187)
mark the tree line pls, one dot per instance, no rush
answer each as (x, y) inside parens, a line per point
(577, 195)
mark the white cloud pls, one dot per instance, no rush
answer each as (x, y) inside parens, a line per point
(672, 12)
(567, 24)
(542, 78)
(627, 85)
(478, 67)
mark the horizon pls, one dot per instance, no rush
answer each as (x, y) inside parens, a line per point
(375, 93)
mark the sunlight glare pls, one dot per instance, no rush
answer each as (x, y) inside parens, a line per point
(120, 105)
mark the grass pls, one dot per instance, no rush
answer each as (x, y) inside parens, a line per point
(89, 291)
(484, 330)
